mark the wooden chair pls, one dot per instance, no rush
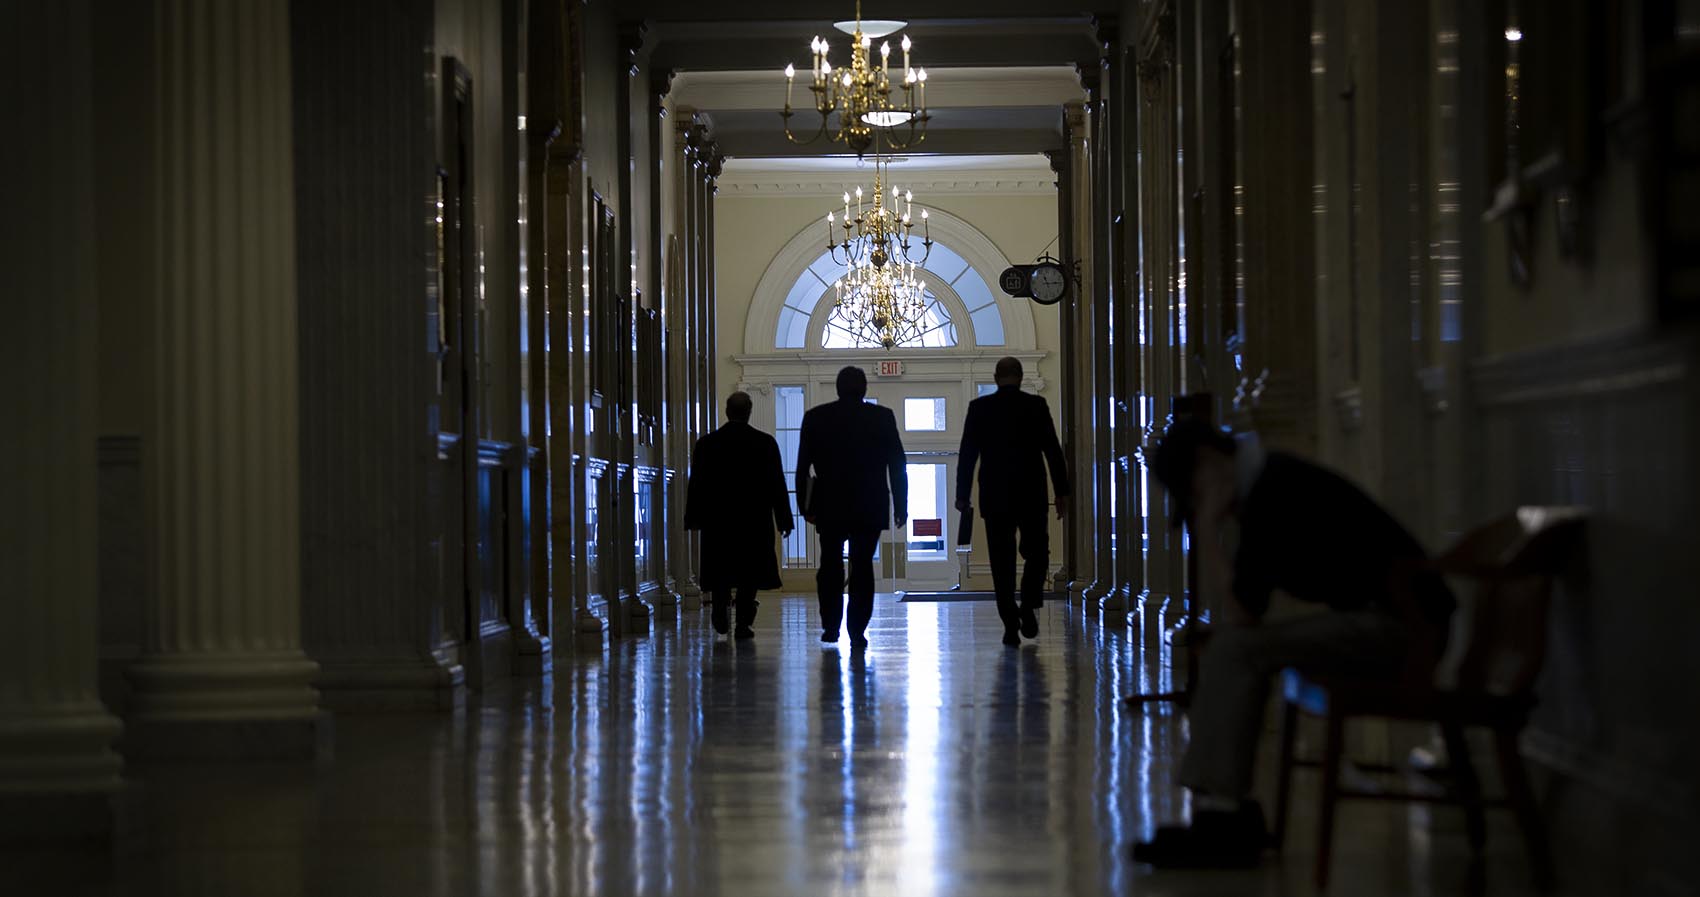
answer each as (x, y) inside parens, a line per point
(1514, 560)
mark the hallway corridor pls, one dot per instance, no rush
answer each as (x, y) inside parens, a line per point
(939, 763)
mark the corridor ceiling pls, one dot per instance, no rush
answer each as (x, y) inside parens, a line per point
(1000, 72)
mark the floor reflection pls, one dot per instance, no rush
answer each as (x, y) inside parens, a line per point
(937, 762)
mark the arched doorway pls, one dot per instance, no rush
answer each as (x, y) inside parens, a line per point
(794, 349)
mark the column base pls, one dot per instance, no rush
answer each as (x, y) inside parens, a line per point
(1150, 610)
(1095, 592)
(1115, 605)
(496, 650)
(633, 616)
(401, 683)
(249, 706)
(690, 594)
(1076, 590)
(532, 653)
(58, 776)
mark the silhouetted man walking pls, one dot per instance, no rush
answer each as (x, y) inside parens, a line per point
(854, 450)
(736, 497)
(1010, 435)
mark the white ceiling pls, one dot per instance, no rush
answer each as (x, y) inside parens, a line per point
(1029, 163)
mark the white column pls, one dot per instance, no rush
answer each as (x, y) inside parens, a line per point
(57, 766)
(222, 672)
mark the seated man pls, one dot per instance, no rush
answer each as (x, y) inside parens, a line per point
(1310, 533)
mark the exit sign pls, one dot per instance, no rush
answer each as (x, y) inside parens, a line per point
(891, 368)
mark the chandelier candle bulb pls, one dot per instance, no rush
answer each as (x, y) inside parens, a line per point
(906, 52)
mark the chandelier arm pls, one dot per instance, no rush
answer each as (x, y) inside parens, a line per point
(818, 134)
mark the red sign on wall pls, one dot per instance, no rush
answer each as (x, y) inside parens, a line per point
(932, 526)
(890, 368)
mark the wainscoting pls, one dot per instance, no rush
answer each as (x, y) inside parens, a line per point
(1611, 425)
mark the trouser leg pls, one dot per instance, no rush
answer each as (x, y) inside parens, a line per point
(1036, 560)
(1226, 715)
(1000, 550)
(862, 547)
(746, 606)
(829, 580)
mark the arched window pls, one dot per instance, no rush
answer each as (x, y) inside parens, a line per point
(937, 331)
(944, 266)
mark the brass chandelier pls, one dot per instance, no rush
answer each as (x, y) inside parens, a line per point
(862, 95)
(881, 299)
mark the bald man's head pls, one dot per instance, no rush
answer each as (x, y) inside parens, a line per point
(739, 406)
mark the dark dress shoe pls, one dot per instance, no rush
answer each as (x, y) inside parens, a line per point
(1029, 624)
(744, 632)
(1012, 638)
(858, 642)
(720, 618)
(829, 636)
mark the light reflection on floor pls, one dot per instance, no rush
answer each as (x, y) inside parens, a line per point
(938, 763)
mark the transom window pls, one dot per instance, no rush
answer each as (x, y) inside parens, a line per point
(944, 266)
(936, 330)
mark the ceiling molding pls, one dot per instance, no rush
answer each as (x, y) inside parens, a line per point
(701, 46)
(1022, 184)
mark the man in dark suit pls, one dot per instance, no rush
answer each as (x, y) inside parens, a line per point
(1009, 433)
(853, 448)
(736, 497)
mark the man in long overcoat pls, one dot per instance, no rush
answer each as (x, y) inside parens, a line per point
(853, 451)
(736, 498)
(1010, 435)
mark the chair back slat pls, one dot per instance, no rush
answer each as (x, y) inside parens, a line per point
(1515, 560)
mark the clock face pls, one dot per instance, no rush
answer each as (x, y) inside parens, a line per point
(1048, 284)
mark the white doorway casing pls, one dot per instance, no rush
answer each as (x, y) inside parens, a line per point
(953, 373)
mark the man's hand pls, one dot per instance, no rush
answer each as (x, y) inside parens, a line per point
(1062, 506)
(962, 504)
(785, 534)
(809, 518)
(902, 520)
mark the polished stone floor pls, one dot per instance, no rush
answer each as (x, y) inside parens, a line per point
(940, 762)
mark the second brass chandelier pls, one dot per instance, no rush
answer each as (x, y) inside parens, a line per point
(881, 299)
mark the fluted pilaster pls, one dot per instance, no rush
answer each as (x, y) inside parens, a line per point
(1165, 363)
(1068, 347)
(1077, 122)
(362, 176)
(223, 672)
(57, 766)
(1110, 352)
(684, 345)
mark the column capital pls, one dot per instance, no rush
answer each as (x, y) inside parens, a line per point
(1090, 79)
(660, 85)
(631, 35)
(1106, 33)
